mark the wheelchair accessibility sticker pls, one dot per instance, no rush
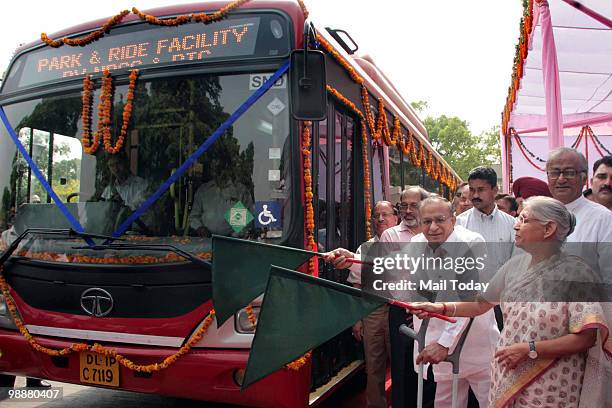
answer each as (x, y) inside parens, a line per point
(268, 214)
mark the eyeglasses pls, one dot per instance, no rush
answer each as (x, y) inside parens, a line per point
(376, 217)
(567, 173)
(404, 206)
(439, 220)
(521, 219)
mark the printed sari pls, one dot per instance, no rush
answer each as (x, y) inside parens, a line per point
(529, 314)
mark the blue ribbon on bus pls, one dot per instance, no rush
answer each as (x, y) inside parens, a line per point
(76, 225)
(203, 147)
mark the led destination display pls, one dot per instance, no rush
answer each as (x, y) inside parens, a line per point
(142, 48)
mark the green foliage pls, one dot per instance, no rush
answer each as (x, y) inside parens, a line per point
(419, 106)
(63, 191)
(460, 148)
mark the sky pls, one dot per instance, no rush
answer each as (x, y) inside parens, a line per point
(455, 54)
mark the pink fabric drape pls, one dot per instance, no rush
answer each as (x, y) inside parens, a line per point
(577, 123)
(550, 72)
(504, 152)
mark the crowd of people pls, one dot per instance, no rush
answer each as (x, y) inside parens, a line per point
(522, 349)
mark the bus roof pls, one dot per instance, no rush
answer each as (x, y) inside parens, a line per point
(291, 8)
(375, 80)
(378, 84)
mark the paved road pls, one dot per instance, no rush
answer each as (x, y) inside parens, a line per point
(78, 396)
(351, 395)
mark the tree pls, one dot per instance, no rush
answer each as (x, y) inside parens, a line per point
(419, 106)
(452, 138)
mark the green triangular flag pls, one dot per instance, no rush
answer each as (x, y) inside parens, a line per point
(300, 312)
(240, 271)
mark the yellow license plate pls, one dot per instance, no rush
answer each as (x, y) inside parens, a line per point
(99, 369)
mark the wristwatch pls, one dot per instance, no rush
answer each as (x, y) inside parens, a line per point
(533, 354)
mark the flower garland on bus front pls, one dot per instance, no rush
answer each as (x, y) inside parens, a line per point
(92, 142)
(186, 18)
(124, 361)
(97, 348)
(125, 260)
(96, 35)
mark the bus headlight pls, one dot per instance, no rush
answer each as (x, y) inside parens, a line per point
(6, 321)
(243, 323)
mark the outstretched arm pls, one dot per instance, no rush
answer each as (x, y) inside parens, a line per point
(454, 309)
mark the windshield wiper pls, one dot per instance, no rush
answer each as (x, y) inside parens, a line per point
(69, 233)
(150, 247)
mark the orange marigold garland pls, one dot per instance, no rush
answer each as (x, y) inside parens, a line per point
(97, 348)
(198, 17)
(309, 221)
(366, 180)
(115, 260)
(104, 114)
(303, 7)
(332, 51)
(89, 146)
(88, 38)
(218, 15)
(162, 22)
(250, 315)
(300, 362)
(378, 128)
(364, 152)
(127, 114)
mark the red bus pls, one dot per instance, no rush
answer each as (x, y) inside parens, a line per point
(105, 129)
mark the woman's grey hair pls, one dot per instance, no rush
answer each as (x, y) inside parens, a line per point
(547, 209)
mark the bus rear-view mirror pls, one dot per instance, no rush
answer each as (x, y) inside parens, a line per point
(307, 85)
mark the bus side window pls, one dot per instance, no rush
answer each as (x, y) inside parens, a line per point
(377, 173)
(320, 164)
(395, 175)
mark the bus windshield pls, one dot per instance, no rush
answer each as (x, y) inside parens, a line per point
(240, 187)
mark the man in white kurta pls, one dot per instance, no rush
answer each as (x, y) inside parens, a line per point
(592, 238)
(441, 237)
(567, 172)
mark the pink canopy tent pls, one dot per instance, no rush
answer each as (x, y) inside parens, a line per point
(561, 91)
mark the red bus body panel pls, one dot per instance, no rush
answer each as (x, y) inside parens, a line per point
(203, 374)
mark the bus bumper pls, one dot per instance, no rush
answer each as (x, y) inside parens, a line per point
(202, 374)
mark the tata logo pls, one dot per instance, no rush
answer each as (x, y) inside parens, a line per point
(96, 302)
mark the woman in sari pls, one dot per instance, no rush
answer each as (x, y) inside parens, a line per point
(549, 326)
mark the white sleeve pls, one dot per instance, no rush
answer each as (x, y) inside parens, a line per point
(195, 217)
(355, 268)
(451, 332)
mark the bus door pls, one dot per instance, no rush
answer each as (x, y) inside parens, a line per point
(337, 167)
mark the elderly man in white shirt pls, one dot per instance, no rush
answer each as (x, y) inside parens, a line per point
(567, 172)
(441, 237)
(373, 329)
